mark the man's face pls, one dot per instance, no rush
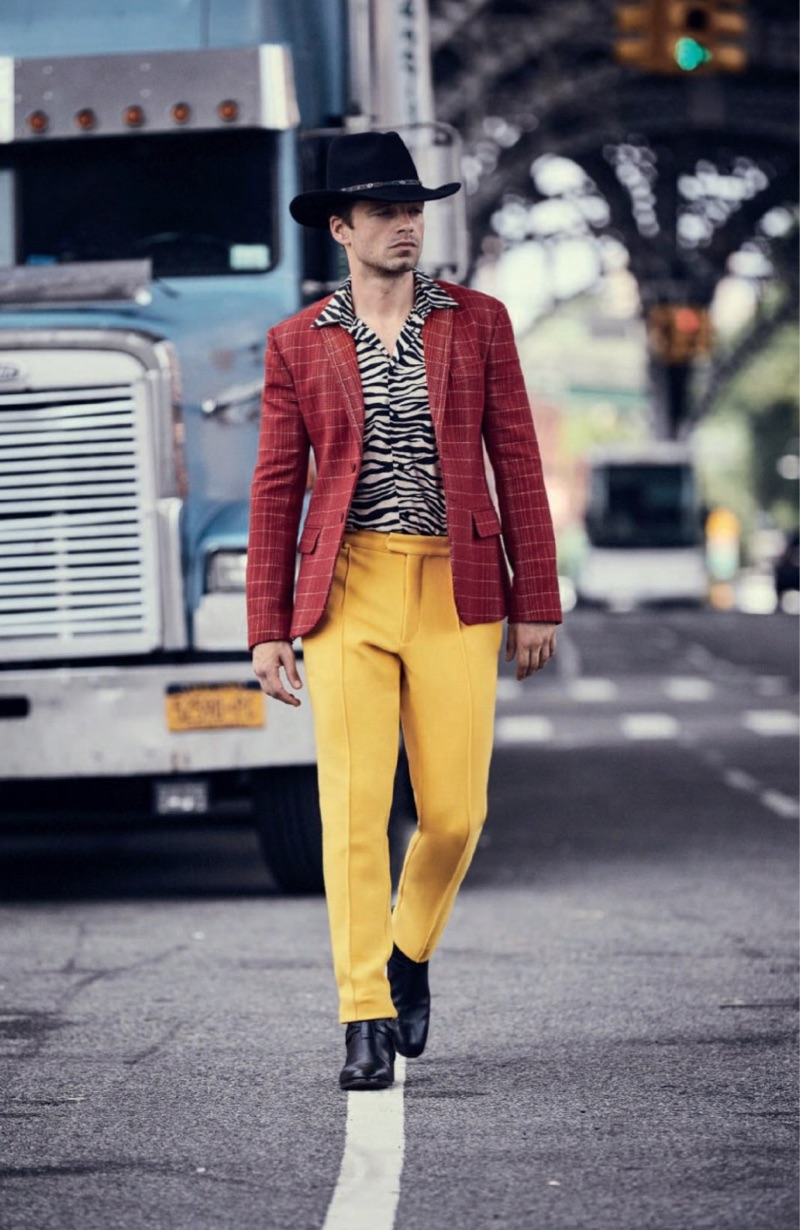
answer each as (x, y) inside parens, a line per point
(385, 237)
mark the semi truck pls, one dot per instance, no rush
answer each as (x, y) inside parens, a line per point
(148, 153)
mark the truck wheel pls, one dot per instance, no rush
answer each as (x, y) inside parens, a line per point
(289, 826)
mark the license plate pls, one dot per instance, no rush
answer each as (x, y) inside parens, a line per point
(215, 707)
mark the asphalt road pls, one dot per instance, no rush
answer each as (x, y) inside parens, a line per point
(615, 1000)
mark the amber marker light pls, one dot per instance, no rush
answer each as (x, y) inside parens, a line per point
(85, 119)
(133, 116)
(38, 122)
(228, 111)
(181, 113)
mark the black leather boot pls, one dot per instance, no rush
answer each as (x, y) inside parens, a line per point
(370, 1055)
(411, 997)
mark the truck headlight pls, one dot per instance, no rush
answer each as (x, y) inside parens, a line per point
(225, 572)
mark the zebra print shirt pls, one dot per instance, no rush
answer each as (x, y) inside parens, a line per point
(399, 489)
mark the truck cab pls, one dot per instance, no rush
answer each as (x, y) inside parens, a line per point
(143, 259)
(147, 159)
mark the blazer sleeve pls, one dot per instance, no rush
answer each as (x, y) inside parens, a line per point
(514, 454)
(276, 501)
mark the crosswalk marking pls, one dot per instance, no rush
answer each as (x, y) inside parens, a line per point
(523, 728)
(772, 722)
(368, 1187)
(650, 726)
(588, 690)
(781, 804)
(508, 689)
(576, 710)
(689, 688)
(526, 728)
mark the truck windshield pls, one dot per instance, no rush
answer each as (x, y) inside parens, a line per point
(197, 203)
(643, 506)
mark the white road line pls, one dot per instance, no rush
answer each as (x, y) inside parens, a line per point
(509, 689)
(368, 1187)
(523, 728)
(737, 779)
(688, 687)
(781, 804)
(772, 722)
(590, 690)
(649, 726)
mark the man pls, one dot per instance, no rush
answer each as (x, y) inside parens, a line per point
(397, 382)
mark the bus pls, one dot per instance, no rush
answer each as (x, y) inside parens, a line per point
(645, 542)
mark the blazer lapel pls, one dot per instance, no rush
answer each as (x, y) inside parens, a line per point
(437, 341)
(342, 352)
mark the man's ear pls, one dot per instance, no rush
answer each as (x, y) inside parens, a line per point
(339, 229)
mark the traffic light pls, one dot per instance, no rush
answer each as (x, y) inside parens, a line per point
(677, 37)
(679, 332)
(729, 36)
(637, 26)
(704, 36)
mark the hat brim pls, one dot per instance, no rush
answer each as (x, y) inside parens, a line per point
(316, 208)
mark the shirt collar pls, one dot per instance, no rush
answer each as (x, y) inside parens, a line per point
(428, 295)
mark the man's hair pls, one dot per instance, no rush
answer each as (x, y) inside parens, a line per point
(345, 212)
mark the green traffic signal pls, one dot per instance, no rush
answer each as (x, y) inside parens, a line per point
(689, 54)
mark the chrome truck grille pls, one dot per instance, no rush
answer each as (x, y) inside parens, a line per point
(78, 519)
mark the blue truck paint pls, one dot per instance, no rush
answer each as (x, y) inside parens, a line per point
(82, 695)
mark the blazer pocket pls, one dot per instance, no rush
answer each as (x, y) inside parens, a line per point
(486, 522)
(467, 374)
(309, 538)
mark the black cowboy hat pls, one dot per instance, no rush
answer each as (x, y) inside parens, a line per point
(372, 166)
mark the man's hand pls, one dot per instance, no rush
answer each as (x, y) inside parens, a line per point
(268, 659)
(533, 645)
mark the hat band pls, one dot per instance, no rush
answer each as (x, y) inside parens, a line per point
(384, 183)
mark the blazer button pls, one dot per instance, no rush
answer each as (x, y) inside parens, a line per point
(353, 467)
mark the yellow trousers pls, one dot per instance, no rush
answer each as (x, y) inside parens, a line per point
(391, 650)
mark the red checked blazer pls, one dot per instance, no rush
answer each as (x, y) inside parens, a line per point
(313, 400)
